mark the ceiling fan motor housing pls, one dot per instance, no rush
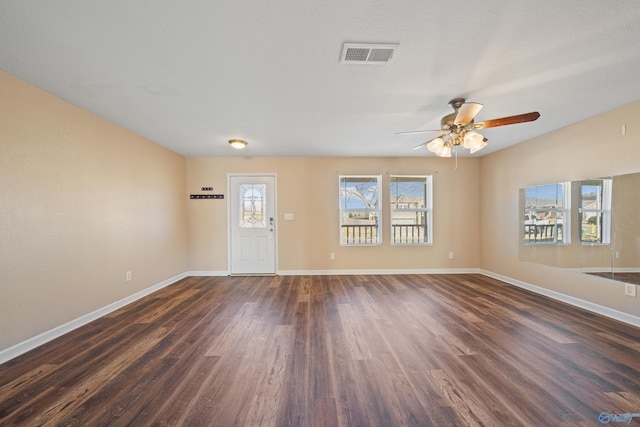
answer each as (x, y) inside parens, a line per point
(447, 122)
(456, 103)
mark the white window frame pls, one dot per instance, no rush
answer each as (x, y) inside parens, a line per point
(375, 213)
(427, 210)
(605, 231)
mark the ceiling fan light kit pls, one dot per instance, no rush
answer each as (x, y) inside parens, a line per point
(473, 141)
(442, 146)
(459, 129)
(445, 151)
(436, 145)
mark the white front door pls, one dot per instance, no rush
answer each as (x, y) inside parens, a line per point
(252, 223)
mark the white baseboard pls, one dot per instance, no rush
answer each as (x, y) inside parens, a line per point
(378, 272)
(51, 334)
(350, 272)
(207, 273)
(577, 302)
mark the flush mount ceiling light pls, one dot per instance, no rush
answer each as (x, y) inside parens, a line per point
(238, 144)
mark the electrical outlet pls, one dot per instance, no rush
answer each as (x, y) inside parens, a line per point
(332, 256)
(450, 255)
(128, 276)
(629, 289)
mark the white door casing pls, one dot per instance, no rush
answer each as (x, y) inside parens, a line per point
(252, 224)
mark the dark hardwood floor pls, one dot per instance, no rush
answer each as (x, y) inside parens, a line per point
(442, 350)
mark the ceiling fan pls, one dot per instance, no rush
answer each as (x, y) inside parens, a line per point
(458, 128)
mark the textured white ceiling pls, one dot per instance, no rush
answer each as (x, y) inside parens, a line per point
(192, 74)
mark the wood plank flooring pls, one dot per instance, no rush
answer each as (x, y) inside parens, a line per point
(441, 350)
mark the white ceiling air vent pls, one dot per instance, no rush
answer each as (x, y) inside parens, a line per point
(359, 53)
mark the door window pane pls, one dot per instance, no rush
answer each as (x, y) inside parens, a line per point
(252, 206)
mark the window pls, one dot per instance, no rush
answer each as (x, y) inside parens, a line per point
(410, 210)
(360, 210)
(595, 211)
(546, 215)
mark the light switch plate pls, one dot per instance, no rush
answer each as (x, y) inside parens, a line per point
(288, 217)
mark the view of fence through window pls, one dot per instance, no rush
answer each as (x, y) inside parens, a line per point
(546, 213)
(360, 210)
(410, 209)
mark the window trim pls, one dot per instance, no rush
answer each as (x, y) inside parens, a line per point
(428, 210)
(607, 189)
(377, 211)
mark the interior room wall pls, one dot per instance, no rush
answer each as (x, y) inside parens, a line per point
(82, 202)
(308, 189)
(589, 149)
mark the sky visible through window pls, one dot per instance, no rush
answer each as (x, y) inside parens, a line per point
(409, 188)
(591, 195)
(359, 193)
(548, 195)
(362, 192)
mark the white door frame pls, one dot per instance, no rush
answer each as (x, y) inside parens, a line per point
(232, 198)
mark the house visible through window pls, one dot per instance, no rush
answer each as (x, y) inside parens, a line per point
(360, 210)
(410, 210)
(546, 216)
(595, 211)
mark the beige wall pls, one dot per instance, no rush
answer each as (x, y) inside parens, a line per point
(308, 188)
(588, 149)
(82, 201)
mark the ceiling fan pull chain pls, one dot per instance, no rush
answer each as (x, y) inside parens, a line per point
(455, 149)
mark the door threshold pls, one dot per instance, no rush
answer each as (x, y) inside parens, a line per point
(253, 274)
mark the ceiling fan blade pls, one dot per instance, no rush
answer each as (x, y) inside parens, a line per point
(415, 132)
(466, 113)
(511, 120)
